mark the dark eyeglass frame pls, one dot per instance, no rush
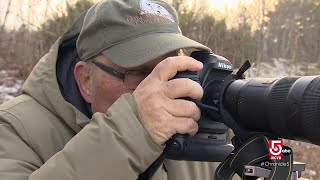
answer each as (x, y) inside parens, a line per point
(118, 74)
(108, 69)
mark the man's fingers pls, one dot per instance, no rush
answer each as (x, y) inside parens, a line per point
(155, 92)
(169, 67)
(185, 126)
(183, 108)
(182, 88)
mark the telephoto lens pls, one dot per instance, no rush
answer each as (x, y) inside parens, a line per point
(287, 107)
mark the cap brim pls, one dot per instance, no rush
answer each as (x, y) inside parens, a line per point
(138, 51)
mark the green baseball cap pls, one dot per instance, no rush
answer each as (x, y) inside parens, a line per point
(131, 32)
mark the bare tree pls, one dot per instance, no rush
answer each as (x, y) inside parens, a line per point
(6, 14)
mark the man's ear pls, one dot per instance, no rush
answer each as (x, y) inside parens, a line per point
(84, 81)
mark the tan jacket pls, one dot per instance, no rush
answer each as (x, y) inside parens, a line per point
(43, 137)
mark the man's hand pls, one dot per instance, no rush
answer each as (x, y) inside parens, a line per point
(162, 114)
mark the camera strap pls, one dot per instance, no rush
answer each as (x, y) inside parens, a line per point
(151, 170)
(254, 152)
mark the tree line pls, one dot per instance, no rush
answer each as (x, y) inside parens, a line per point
(289, 30)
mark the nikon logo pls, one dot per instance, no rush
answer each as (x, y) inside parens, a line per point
(224, 66)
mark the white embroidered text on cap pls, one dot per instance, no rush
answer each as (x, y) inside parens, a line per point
(147, 6)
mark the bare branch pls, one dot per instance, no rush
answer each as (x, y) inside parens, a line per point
(6, 15)
(34, 25)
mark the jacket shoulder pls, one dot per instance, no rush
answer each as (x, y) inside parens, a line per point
(43, 131)
(14, 102)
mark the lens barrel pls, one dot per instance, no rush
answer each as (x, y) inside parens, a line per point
(288, 107)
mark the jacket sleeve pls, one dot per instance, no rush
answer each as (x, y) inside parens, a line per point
(114, 145)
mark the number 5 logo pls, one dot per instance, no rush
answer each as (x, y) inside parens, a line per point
(275, 149)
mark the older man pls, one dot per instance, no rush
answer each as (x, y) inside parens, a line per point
(101, 105)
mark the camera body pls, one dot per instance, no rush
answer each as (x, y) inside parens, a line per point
(211, 143)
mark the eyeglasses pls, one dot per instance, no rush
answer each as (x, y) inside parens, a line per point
(131, 78)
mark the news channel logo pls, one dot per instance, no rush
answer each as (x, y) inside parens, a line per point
(277, 150)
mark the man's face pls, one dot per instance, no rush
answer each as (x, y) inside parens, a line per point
(107, 88)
